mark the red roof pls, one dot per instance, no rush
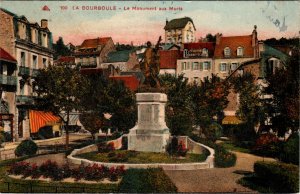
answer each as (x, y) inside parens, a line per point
(130, 81)
(5, 56)
(168, 58)
(93, 43)
(199, 45)
(66, 59)
(233, 42)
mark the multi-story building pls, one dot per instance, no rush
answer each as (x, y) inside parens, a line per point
(92, 52)
(8, 87)
(31, 45)
(179, 31)
(231, 51)
(196, 61)
(168, 61)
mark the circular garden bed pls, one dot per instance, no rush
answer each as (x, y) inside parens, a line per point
(134, 157)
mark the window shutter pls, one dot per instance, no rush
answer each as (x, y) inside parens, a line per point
(182, 65)
(209, 65)
(220, 66)
(201, 66)
(228, 67)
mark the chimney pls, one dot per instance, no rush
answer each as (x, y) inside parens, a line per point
(255, 42)
(167, 21)
(44, 23)
(218, 38)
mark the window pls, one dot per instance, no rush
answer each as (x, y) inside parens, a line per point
(22, 59)
(196, 66)
(223, 67)
(227, 52)
(233, 66)
(44, 62)
(34, 61)
(205, 52)
(240, 52)
(183, 65)
(206, 65)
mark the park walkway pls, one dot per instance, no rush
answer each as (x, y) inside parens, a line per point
(216, 179)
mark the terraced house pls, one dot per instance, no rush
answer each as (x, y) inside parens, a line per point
(30, 44)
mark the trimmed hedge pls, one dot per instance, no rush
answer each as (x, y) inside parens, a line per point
(151, 180)
(224, 158)
(26, 147)
(283, 177)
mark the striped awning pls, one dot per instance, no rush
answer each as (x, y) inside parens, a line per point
(231, 120)
(40, 119)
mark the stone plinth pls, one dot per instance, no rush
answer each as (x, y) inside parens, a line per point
(151, 133)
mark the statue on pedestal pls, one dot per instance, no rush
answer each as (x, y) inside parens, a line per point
(150, 66)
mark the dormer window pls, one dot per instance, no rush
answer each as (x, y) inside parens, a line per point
(205, 52)
(227, 52)
(240, 51)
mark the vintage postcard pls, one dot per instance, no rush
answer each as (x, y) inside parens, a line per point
(149, 96)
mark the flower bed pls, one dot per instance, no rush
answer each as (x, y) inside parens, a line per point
(51, 170)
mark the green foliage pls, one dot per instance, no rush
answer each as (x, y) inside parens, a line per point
(46, 132)
(179, 115)
(282, 177)
(283, 108)
(124, 143)
(60, 48)
(92, 122)
(223, 158)
(267, 145)
(250, 105)
(177, 148)
(26, 147)
(146, 181)
(59, 89)
(209, 100)
(290, 152)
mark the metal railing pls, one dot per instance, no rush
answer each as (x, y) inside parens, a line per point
(21, 99)
(24, 70)
(8, 80)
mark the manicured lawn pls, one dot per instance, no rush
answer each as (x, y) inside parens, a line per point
(35, 186)
(231, 146)
(125, 156)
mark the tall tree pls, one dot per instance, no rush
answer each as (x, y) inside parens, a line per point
(179, 115)
(209, 101)
(250, 109)
(59, 89)
(283, 107)
(60, 48)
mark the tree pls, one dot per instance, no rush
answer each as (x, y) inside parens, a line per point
(59, 89)
(210, 99)
(179, 115)
(283, 107)
(106, 96)
(60, 48)
(250, 109)
(92, 122)
(210, 38)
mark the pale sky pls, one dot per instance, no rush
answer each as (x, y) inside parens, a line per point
(273, 19)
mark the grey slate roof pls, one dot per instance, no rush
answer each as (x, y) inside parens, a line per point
(119, 56)
(178, 23)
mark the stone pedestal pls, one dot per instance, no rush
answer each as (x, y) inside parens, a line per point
(151, 133)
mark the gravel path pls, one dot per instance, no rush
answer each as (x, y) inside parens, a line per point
(215, 179)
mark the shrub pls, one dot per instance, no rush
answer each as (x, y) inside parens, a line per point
(146, 181)
(26, 147)
(172, 147)
(282, 177)
(267, 145)
(223, 158)
(18, 168)
(103, 147)
(290, 150)
(51, 170)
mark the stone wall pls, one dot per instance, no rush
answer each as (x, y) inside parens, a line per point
(7, 31)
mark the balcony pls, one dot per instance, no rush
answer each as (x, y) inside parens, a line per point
(24, 100)
(35, 72)
(8, 80)
(24, 70)
(88, 65)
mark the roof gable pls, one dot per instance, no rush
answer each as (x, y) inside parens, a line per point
(178, 23)
(93, 43)
(233, 42)
(168, 59)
